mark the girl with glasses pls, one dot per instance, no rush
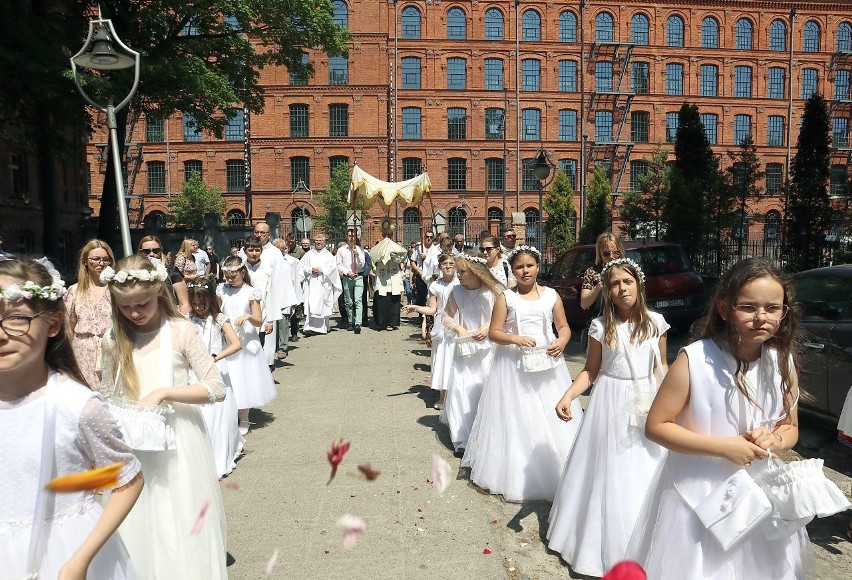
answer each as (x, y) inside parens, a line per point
(89, 309)
(499, 267)
(152, 248)
(52, 424)
(607, 247)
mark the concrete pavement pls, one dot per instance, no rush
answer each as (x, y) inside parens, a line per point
(372, 390)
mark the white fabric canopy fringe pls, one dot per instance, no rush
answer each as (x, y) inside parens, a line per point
(374, 189)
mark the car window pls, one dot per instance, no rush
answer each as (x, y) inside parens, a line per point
(585, 260)
(659, 260)
(559, 271)
(823, 297)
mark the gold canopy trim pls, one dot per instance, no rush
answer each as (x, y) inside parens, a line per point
(373, 189)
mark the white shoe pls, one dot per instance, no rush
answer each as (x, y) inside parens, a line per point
(439, 406)
(244, 428)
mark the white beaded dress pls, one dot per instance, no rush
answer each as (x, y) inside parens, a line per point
(86, 437)
(221, 418)
(180, 482)
(250, 377)
(518, 445)
(612, 462)
(443, 342)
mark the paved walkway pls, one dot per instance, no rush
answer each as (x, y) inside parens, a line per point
(372, 390)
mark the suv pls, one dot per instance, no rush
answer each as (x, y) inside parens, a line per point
(673, 287)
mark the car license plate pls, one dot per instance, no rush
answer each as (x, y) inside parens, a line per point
(669, 303)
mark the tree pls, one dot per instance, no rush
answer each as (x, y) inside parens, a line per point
(197, 61)
(188, 208)
(561, 214)
(743, 177)
(808, 215)
(643, 209)
(333, 220)
(598, 217)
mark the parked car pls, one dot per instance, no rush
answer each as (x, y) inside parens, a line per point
(673, 287)
(824, 296)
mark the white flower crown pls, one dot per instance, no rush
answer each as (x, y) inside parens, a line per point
(241, 265)
(476, 259)
(29, 290)
(621, 261)
(519, 249)
(109, 276)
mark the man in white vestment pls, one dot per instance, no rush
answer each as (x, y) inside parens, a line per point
(321, 286)
(284, 329)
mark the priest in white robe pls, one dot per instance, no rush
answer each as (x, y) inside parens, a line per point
(321, 286)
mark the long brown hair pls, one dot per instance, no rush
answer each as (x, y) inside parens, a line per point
(607, 238)
(232, 261)
(643, 326)
(59, 355)
(123, 330)
(83, 279)
(785, 340)
(201, 293)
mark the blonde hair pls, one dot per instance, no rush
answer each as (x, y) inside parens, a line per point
(481, 271)
(184, 247)
(607, 238)
(123, 330)
(83, 279)
(643, 327)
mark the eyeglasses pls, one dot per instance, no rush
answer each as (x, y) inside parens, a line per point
(149, 251)
(485, 250)
(772, 312)
(99, 260)
(607, 254)
(510, 236)
(18, 324)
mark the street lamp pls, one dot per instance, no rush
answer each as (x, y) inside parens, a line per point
(304, 223)
(103, 57)
(541, 171)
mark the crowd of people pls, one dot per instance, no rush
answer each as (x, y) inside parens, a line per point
(180, 352)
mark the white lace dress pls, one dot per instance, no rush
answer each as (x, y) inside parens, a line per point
(612, 463)
(517, 445)
(178, 483)
(443, 343)
(86, 437)
(221, 418)
(250, 377)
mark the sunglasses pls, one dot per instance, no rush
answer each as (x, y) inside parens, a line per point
(510, 236)
(608, 254)
(149, 251)
(485, 250)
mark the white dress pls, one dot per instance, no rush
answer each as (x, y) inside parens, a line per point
(443, 343)
(86, 436)
(471, 362)
(670, 541)
(612, 463)
(250, 377)
(221, 418)
(517, 445)
(178, 483)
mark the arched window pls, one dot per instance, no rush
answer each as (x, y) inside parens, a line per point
(778, 36)
(844, 37)
(298, 223)
(744, 34)
(772, 226)
(567, 27)
(531, 23)
(236, 219)
(493, 24)
(340, 13)
(810, 37)
(156, 220)
(410, 23)
(495, 219)
(531, 220)
(709, 33)
(674, 31)
(456, 24)
(604, 27)
(457, 221)
(410, 226)
(639, 29)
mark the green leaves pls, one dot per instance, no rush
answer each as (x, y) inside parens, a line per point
(187, 209)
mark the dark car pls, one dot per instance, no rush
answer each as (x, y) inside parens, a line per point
(824, 296)
(673, 287)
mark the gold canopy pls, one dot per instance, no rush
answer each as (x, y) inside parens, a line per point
(372, 189)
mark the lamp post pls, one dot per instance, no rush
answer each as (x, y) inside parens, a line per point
(103, 57)
(541, 171)
(304, 223)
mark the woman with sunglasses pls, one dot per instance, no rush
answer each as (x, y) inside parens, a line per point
(490, 248)
(89, 309)
(152, 248)
(607, 248)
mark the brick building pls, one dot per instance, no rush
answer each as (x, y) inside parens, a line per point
(472, 90)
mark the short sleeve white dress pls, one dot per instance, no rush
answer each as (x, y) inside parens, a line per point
(517, 445)
(86, 437)
(443, 343)
(612, 463)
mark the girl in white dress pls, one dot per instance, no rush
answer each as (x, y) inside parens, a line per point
(467, 315)
(52, 424)
(612, 463)
(517, 447)
(250, 376)
(728, 400)
(443, 345)
(221, 418)
(149, 356)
